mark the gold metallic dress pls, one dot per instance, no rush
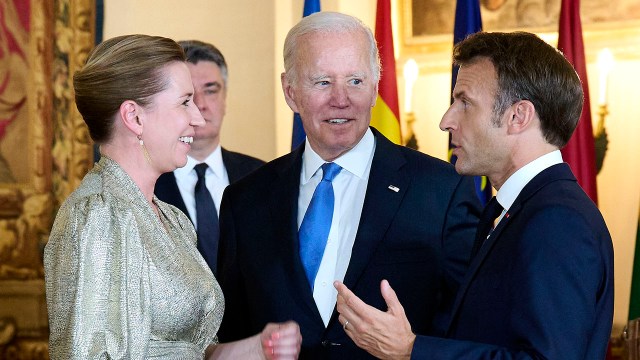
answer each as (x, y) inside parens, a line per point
(123, 284)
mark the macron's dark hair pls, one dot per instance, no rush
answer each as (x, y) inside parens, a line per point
(529, 69)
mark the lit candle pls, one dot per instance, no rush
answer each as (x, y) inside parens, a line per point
(410, 72)
(605, 64)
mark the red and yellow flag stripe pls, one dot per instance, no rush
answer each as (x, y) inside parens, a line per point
(386, 114)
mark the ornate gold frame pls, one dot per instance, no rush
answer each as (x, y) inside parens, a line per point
(60, 153)
(623, 38)
(419, 44)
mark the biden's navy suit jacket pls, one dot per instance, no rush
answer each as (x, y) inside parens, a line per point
(418, 237)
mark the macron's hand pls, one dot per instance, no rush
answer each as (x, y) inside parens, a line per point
(386, 335)
(281, 341)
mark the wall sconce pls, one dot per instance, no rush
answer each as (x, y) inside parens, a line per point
(410, 72)
(605, 65)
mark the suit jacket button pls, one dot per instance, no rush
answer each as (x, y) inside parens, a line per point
(327, 343)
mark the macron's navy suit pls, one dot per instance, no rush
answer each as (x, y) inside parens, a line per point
(541, 286)
(419, 238)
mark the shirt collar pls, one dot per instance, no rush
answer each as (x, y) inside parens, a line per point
(355, 160)
(214, 161)
(516, 182)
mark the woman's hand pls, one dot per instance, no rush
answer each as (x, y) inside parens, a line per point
(281, 341)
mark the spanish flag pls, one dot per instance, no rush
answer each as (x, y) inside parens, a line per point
(580, 152)
(386, 114)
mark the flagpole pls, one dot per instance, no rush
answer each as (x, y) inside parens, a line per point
(385, 115)
(468, 21)
(297, 134)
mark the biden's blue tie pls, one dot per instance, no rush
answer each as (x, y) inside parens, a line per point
(316, 223)
(207, 220)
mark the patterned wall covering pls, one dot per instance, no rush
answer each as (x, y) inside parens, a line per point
(59, 153)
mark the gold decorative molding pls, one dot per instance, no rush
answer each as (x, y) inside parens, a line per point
(60, 153)
(72, 147)
(433, 52)
(25, 216)
(23, 320)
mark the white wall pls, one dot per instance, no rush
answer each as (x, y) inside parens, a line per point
(244, 31)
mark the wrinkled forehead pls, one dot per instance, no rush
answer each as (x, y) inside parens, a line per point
(477, 74)
(345, 46)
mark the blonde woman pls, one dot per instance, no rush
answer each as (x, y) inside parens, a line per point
(124, 279)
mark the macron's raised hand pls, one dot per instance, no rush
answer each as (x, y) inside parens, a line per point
(386, 335)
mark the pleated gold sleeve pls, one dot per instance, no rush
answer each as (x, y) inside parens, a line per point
(122, 283)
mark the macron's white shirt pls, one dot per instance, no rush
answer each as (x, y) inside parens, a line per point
(519, 179)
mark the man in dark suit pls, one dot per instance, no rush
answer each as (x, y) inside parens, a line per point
(540, 285)
(209, 75)
(395, 213)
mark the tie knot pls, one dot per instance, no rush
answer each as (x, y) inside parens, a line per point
(201, 169)
(494, 208)
(330, 170)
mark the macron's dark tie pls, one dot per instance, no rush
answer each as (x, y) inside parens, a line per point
(316, 223)
(485, 227)
(207, 219)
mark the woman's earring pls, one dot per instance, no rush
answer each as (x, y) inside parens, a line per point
(140, 140)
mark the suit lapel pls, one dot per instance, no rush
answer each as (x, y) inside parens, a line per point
(387, 186)
(233, 171)
(553, 173)
(381, 203)
(284, 214)
(167, 191)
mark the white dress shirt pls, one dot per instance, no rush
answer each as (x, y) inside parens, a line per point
(349, 188)
(519, 179)
(216, 178)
